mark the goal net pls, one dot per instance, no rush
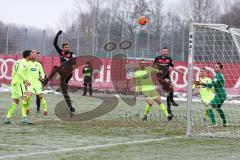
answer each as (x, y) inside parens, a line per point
(209, 44)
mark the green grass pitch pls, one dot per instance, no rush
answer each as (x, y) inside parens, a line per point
(119, 134)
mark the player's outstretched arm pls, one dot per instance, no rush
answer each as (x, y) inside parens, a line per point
(151, 69)
(195, 89)
(212, 84)
(55, 42)
(176, 70)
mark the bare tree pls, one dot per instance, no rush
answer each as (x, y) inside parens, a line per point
(200, 10)
(3, 37)
(67, 21)
(156, 13)
(232, 17)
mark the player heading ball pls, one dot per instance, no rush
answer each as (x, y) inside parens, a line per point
(164, 63)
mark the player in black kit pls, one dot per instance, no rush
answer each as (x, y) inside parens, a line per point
(67, 58)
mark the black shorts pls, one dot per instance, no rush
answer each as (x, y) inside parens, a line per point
(166, 84)
(87, 79)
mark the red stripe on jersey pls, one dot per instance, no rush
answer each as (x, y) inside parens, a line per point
(163, 61)
(68, 55)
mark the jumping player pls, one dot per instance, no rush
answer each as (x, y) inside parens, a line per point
(144, 84)
(164, 62)
(64, 70)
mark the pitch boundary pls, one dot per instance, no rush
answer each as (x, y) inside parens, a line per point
(90, 147)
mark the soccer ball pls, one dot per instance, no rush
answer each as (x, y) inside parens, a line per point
(143, 20)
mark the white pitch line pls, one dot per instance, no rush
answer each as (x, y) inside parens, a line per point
(34, 146)
(87, 148)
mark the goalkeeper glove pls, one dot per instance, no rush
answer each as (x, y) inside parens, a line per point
(198, 83)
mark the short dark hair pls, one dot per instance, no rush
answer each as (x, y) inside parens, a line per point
(164, 48)
(220, 65)
(65, 44)
(38, 52)
(26, 53)
(141, 60)
(204, 68)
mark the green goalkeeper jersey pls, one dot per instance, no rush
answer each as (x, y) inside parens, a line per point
(144, 81)
(218, 84)
(19, 72)
(34, 71)
(206, 93)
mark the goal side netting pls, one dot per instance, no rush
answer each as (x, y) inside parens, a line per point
(209, 44)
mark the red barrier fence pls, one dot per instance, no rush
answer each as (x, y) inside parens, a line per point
(103, 76)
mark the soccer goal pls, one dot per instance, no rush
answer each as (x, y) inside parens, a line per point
(209, 44)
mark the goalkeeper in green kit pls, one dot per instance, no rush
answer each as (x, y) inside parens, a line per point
(218, 84)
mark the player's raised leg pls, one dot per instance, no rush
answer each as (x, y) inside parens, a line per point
(50, 76)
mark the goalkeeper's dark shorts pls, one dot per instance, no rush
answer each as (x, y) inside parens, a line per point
(87, 79)
(217, 101)
(166, 84)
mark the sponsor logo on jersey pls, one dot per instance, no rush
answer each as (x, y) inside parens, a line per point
(146, 76)
(163, 61)
(33, 69)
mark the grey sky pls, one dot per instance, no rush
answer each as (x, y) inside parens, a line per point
(37, 13)
(46, 13)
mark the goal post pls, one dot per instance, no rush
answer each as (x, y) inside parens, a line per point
(209, 44)
(190, 79)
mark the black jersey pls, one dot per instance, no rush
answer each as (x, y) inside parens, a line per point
(163, 63)
(64, 56)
